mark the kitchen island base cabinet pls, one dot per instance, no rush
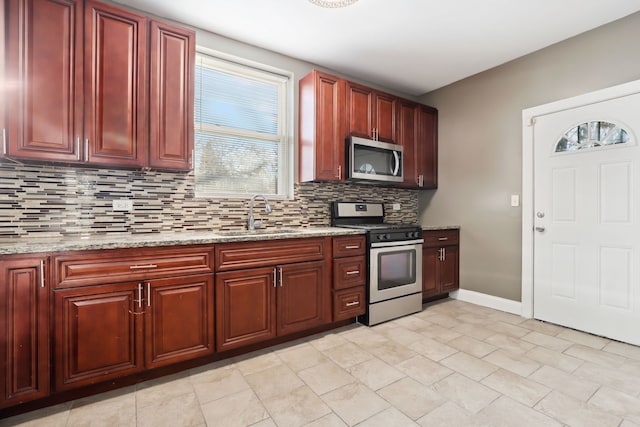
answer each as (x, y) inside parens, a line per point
(24, 319)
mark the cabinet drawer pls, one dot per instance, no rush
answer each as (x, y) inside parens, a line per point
(118, 265)
(348, 246)
(348, 303)
(440, 237)
(241, 255)
(349, 272)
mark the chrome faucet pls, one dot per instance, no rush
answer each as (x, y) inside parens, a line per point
(267, 208)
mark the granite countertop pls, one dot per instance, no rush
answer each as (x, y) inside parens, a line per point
(440, 227)
(26, 245)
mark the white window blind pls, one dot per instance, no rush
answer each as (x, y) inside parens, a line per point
(241, 130)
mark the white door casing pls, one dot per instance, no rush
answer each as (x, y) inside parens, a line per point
(581, 270)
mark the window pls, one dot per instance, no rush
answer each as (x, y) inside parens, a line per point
(242, 130)
(591, 135)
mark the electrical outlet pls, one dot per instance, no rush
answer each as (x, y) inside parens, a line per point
(515, 200)
(396, 206)
(122, 205)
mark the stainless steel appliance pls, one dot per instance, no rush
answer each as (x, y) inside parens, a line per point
(375, 161)
(394, 258)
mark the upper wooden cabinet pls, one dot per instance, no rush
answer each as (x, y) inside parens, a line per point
(370, 114)
(333, 109)
(83, 72)
(321, 128)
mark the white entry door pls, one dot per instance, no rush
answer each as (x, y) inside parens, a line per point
(587, 219)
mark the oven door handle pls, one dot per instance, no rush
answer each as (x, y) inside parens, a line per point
(399, 243)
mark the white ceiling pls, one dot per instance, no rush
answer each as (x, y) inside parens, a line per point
(412, 46)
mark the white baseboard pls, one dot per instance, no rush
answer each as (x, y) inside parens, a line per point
(502, 304)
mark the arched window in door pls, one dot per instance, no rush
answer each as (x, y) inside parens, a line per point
(591, 135)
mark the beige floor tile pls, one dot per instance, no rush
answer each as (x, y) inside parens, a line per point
(516, 363)
(570, 385)
(466, 393)
(611, 377)
(375, 373)
(502, 316)
(553, 358)
(542, 327)
(325, 377)
(474, 331)
(424, 370)
(432, 349)
(347, 354)
(631, 367)
(448, 415)
(236, 410)
(302, 357)
(469, 366)
(387, 418)
(274, 381)
(622, 349)
(508, 329)
(402, 335)
(328, 341)
(330, 420)
(628, 423)
(505, 412)
(183, 410)
(473, 319)
(509, 343)
(514, 386)
(265, 423)
(472, 346)
(53, 416)
(412, 398)
(618, 403)
(583, 338)
(256, 362)
(575, 413)
(392, 352)
(413, 323)
(120, 411)
(598, 357)
(299, 407)
(355, 403)
(150, 392)
(217, 383)
(366, 338)
(441, 334)
(444, 320)
(547, 341)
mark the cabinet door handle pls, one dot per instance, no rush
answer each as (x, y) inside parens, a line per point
(148, 294)
(275, 280)
(444, 254)
(86, 149)
(420, 180)
(141, 267)
(139, 295)
(78, 148)
(4, 141)
(352, 247)
(442, 239)
(42, 273)
(349, 273)
(351, 304)
(281, 284)
(440, 254)
(340, 172)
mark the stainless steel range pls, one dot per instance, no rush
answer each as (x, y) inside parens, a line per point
(394, 280)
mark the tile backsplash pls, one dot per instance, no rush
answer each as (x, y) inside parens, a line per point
(48, 201)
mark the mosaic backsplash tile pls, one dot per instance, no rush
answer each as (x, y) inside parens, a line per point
(48, 201)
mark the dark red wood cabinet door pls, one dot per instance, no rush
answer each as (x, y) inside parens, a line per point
(178, 319)
(430, 272)
(44, 58)
(407, 137)
(449, 268)
(385, 108)
(98, 334)
(115, 86)
(360, 106)
(303, 295)
(171, 96)
(427, 147)
(245, 307)
(24, 318)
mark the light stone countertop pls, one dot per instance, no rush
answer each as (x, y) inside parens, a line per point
(440, 227)
(27, 245)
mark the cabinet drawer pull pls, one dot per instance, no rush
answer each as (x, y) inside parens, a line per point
(352, 247)
(281, 284)
(443, 238)
(351, 304)
(141, 267)
(275, 279)
(353, 272)
(139, 295)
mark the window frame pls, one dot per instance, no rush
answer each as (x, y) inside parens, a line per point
(252, 69)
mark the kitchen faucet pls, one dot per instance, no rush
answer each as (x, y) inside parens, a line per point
(267, 208)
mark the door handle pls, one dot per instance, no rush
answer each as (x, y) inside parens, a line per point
(540, 229)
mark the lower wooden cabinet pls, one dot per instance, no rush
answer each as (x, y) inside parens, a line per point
(349, 277)
(257, 304)
(440, 262)
(349, 303)
(24, 321)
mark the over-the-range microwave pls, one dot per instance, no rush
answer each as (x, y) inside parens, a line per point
(374, 161)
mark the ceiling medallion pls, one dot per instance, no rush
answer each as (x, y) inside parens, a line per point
(333, 3)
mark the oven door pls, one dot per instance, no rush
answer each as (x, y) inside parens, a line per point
(395, 269)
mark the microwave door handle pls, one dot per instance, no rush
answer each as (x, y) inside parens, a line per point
(397, 166)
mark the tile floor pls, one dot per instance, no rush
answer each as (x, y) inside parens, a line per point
(453, 364)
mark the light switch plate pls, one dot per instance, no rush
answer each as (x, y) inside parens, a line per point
(396, 206)
(515, 200)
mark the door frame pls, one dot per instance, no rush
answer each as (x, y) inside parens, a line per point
(528, 179)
